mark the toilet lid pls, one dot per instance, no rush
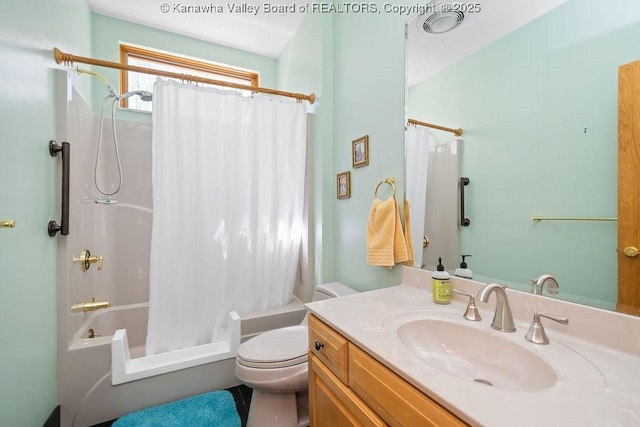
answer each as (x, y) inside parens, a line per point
(275, 349)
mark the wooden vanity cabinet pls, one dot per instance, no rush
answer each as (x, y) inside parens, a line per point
(347, 387)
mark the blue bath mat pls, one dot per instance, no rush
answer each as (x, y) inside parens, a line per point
(214, 409)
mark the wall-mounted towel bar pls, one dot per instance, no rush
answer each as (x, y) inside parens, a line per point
(570, 218)
(464, 221)
(65, 149)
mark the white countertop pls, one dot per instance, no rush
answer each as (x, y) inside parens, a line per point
(596, 385)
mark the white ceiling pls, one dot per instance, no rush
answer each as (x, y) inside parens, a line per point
(428, 54)
(268, 33)
(262, 33)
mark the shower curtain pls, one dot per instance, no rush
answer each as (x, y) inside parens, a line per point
(442, 207)
(417, 157)
(228, 196)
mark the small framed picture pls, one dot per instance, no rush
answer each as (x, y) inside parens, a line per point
(344, 185)
(360, 151)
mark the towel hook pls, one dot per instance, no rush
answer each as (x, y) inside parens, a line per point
(390, 181)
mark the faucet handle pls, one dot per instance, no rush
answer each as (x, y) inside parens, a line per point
(86, 259)
(536, 333)
(472, 309)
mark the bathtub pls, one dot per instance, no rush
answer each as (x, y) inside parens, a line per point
(86, 393)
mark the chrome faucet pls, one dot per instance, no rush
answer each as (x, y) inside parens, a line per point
(502, 319)
(538, 284)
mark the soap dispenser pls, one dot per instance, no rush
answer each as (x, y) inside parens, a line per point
(441, 285)
(463, 270)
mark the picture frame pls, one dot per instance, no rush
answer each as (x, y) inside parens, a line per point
(360, 151)
(343, 185)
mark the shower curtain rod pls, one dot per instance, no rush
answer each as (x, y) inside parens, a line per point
(456, 132)
(68, 60)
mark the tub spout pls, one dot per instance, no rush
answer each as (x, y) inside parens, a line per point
(90, 305)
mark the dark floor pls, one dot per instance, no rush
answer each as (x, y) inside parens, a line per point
(241, 394)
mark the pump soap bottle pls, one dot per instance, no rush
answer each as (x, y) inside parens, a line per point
(441, 285)
(463, 270)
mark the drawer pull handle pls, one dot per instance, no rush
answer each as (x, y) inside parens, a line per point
(319, 345)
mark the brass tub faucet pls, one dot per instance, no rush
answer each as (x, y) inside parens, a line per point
(90, 305)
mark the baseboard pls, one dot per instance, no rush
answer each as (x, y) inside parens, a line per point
(54, 418)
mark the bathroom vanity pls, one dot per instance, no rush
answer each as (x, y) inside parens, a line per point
(349, 387)
(393, 357)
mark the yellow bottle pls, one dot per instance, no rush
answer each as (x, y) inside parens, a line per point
(441, 285)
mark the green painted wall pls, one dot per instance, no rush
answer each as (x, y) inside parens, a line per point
(305, 66)
(369, 88)
(28, 361)
(526, 100)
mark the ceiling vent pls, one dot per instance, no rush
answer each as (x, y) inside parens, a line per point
(440, 18)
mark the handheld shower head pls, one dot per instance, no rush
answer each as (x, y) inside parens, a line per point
(143, 94)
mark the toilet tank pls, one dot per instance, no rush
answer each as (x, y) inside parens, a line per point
(331, 290)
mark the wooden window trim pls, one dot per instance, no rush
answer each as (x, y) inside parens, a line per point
(128, 51)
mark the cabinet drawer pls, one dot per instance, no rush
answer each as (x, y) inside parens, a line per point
(330, 347)
(333, 403)
(391, 397)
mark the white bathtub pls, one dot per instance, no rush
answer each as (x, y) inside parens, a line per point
(87, 396)
(106, 322)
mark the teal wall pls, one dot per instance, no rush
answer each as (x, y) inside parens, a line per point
(524, 103)
(369, 88)
(305, 66)
(28, 361)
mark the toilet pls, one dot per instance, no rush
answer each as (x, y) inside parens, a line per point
(275, 365)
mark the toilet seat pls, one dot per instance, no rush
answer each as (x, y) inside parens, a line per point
(279, 348)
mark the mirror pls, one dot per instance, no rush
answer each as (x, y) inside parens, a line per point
(534, 86)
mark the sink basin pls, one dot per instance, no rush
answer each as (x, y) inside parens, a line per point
(475, 354)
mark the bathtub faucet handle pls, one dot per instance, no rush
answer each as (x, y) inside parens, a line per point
(86, 259)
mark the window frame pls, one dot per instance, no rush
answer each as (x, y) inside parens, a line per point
(127, 51)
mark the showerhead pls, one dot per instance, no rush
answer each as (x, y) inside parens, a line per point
(143, 94)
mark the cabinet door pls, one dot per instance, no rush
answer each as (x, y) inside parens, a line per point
(396, 401)
(332, 404)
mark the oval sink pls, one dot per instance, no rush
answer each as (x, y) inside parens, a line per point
(476, 355)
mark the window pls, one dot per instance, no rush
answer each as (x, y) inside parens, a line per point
(148, 58)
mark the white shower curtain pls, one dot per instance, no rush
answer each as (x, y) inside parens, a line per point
(228, 193)
(417, 158)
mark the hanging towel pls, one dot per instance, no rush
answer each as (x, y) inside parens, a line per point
(380, 232)
(400, 252)
(407, 233)
(385, 240)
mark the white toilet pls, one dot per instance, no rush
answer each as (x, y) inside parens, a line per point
(275, 365)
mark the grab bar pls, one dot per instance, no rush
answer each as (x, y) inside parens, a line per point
(463, 221)
(54, 149)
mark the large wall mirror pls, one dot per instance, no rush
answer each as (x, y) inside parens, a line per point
(534, 86)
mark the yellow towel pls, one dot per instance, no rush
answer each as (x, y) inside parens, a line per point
(385, 240)
(380, 232)
(400, 252)
(407, 233)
